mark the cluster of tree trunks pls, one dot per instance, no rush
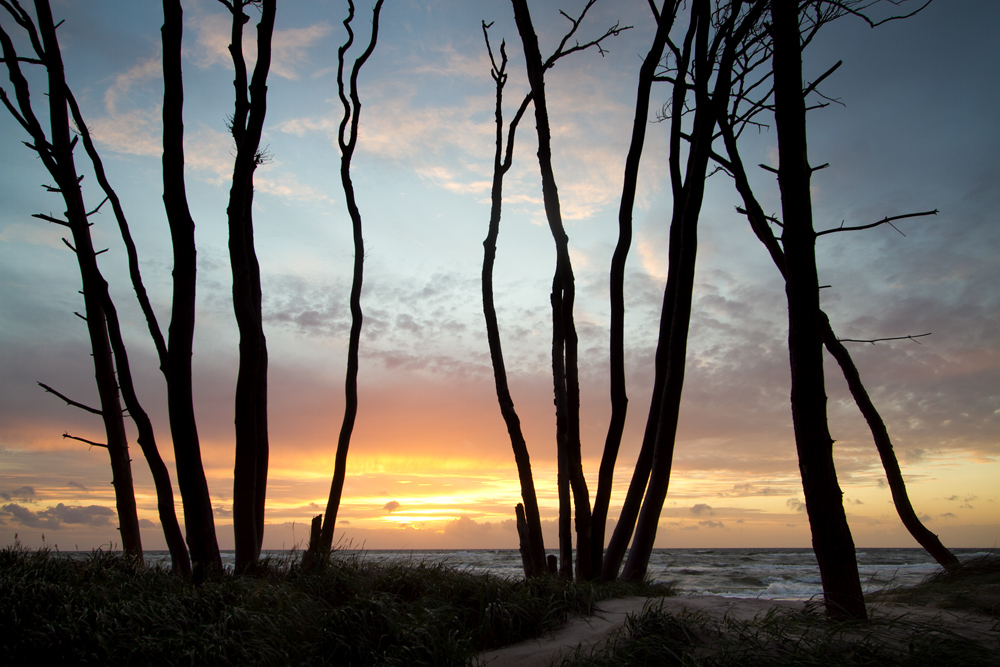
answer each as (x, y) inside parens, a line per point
(736, 60)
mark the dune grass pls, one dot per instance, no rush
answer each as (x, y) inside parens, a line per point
(109, 609)
(786, 637)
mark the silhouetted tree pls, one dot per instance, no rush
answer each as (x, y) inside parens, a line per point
(199, 521)
(529, 522)
(56, 153)
(565, 374)
(619, 395)
(347, 139)
(759, 223)
(710, 47)
(250, 473)
(831, 535)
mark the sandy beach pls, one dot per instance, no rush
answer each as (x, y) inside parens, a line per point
(590, 632)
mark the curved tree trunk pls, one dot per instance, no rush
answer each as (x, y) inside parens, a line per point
(897, 486)
(348, 142)
(528, 519)
(619, 396)
(199, 521)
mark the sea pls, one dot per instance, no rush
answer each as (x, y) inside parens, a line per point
(774, 574)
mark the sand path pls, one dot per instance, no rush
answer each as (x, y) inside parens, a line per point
(589, 632)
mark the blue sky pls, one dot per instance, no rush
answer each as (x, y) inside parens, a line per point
(916, 131)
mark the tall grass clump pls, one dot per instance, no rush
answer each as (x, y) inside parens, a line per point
(110, 609)
(945, 634)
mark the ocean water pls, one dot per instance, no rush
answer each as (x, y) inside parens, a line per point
(787, 574)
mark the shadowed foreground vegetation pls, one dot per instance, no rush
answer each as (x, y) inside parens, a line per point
(109, 609)
(943, 634)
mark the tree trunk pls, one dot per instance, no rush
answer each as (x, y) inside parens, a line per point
(831, 535)
(250, 473)
(564, 347)
(619, 396)
(894, 475)
(199, 521)
(900, 499)
(180, 562)
(348, 142)
(528, 519)
(56, 154)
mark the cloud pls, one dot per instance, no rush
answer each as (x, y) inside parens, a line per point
(25, 494)
(796, 504)
(391, 506)
(288, 46)
(711, 524)
(749, 489)
(77, 485)
(702, 508)
(53, 518)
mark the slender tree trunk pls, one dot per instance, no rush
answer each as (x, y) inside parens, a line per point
(56, 154)
(619, 395)
(528, 519)
(250, 473)
(199, 521)
(831, 535)
(564, 348)
(180, 562)
(348, 141)
(883, 443)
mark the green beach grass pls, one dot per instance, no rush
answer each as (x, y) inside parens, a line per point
(108, 609)
(949, 619)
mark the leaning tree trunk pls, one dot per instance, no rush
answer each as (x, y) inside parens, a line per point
(180, 562)
(831, 534)
(619, 395)
(56, 153)
(897, 486)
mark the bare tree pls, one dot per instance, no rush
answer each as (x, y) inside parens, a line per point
(199, 521)
(180, 561)
(347, 139)
(759, 223)
(529, 522)
(619, 395)
(711, 45)
(565, 374)
(831, 535)
(56, 153)
(250, 473)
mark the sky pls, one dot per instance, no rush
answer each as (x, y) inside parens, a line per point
(430, 466)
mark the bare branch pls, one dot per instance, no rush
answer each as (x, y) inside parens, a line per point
(769, 218)
(89, 442)
(98, 207)
(812, 86)
(49, 218)
(69, 401)
(883, 221)
(613, 31)
(872, 341)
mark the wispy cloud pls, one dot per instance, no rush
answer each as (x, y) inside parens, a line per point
(289, 46)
